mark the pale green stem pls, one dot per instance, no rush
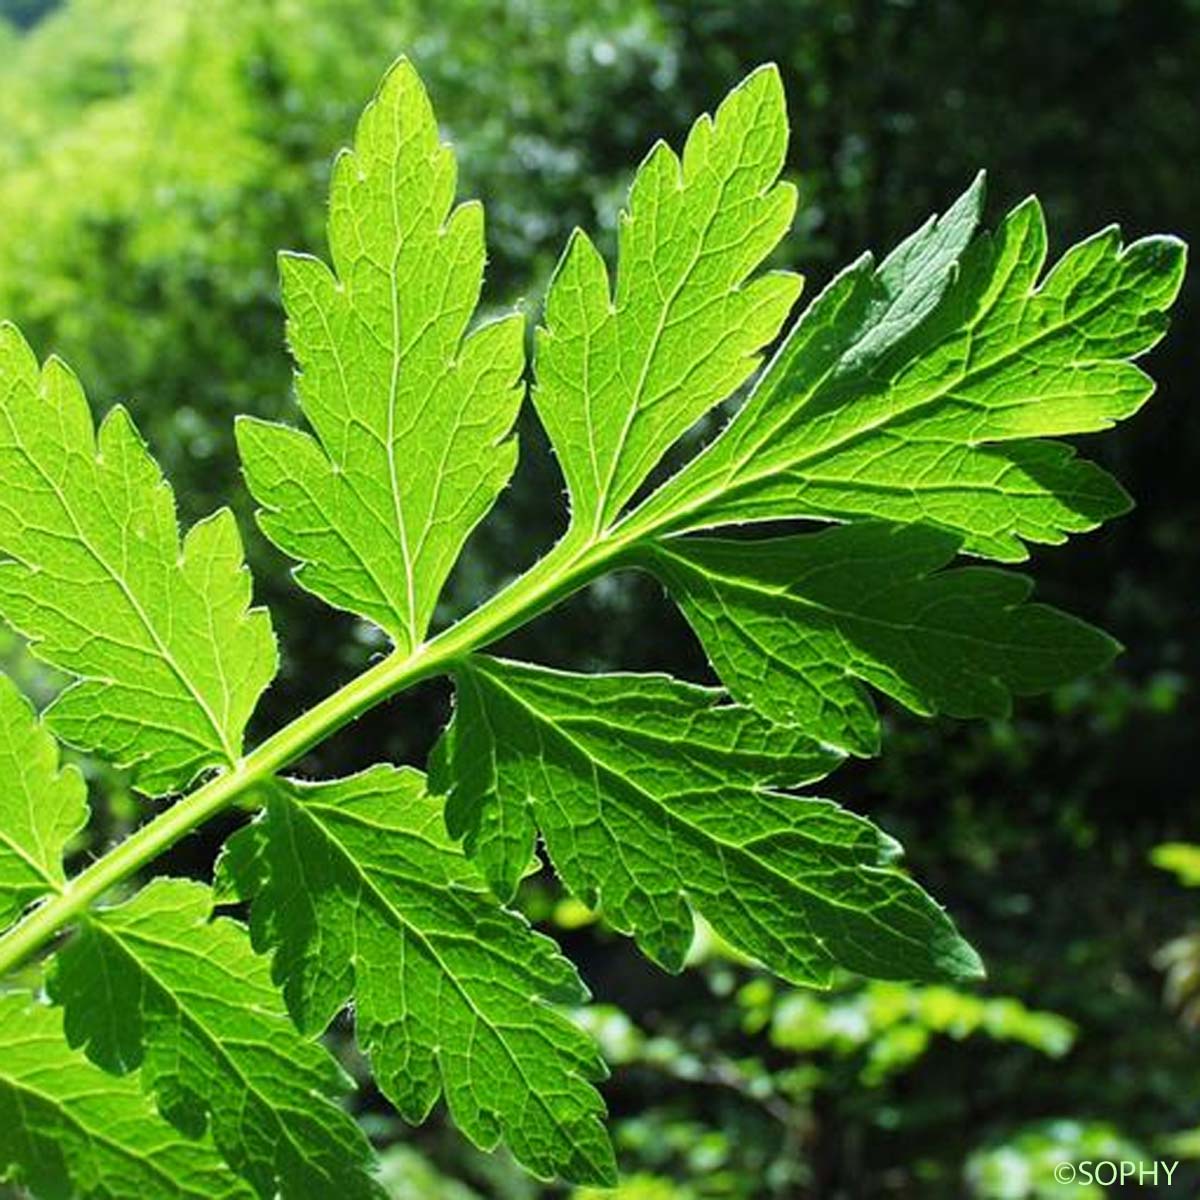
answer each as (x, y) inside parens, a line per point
(568, 567)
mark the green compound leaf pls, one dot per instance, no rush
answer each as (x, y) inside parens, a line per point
(622, 375)
(168, 660)
(915, 391)
(154, 983)
(42, 807)
(362, 896)
(411, 417)
(920, 392)
(793, 624)
(654, 799)
(69, 1130)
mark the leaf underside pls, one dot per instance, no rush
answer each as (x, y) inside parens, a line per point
(168, 660)
(69, 1129)
(362, 896)
(411, 415)
(187, 1001)
(655, 799)
(794, 626)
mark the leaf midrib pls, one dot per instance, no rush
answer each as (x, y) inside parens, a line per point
(166, 655)
(23, 1085)
(186, 1013)
(398, 919)
(734, 475)
(662, 804)
(840, 616)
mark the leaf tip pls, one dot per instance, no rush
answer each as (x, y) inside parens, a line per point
(961, 961)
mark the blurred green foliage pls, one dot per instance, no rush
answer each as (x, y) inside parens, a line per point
(154, 157)
(1182, 859)
(1022, 1167)
(1179, 959)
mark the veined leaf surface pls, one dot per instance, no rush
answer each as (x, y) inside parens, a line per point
(363, 897)
(42, 806)
(154, 983)
(623, 372)
(69, 1129)
(168, 659)
(794, 626)
(925, 389)
(655, 800)
(411, 415)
